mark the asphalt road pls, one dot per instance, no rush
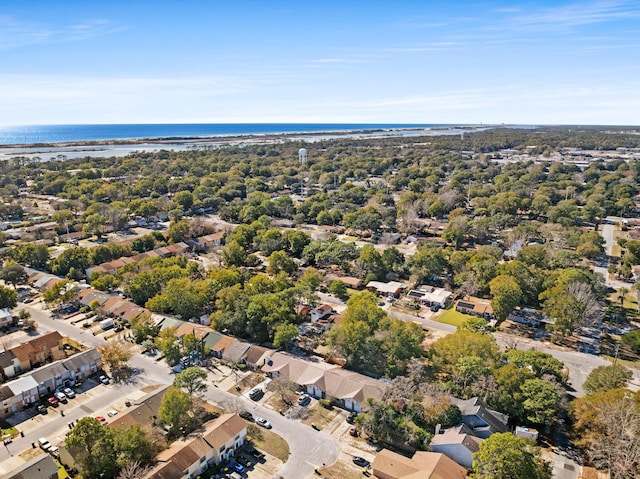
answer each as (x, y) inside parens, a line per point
(308, 447)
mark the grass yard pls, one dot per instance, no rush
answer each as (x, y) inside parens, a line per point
(340, 470)
(453, 317)
(269, 442)
(319, 416)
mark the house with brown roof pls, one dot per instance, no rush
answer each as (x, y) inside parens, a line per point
(257, 355)
(456, 443)
(221, 346)
(423, 465)
(475, 307)
(190, 457)
(320, 312)
(83, 364)
(43, 348)
(322, 380)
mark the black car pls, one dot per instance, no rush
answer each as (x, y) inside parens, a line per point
(351, 418)
(42, 409)
(246, 415)
(360, 461)
(244, 461)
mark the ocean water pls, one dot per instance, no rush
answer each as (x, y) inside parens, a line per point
(35, 134)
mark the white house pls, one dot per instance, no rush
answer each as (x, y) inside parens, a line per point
(456, 443)
(5, 317)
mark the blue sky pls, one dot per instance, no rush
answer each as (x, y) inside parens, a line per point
(137, 61)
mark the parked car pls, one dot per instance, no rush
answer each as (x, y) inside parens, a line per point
(69, 393)
(101, 419)
(263, 422)
(239, 468)
(351, 418)
(60, 396)
(46, 446)
(354, 432)
(360, 461)
(256, 393)
(42, 409)
(112, 412)
(103, 379)
(244, 461)
(304, 400)
(53, 401)
(246, 415)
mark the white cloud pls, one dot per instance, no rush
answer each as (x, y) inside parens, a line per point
(16, 33)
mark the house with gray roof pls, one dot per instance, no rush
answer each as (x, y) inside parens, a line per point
(83, 365)
(10, 365)
(478, 417)
(50, 377)
(24, 391)
(40, 467)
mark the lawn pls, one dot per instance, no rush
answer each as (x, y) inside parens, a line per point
(319, 416)
(340, 470)
(269, 442)
(453, 317)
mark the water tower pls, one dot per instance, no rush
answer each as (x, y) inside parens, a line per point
(302, 156)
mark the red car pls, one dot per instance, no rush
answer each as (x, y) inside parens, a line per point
(53, 401)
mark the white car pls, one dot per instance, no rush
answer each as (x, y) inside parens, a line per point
(112, 413)
(263, 422)
(60, 396)
(46, 446)
(69, 393)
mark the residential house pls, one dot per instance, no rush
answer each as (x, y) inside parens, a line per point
(392, 288)
(236, 353)
(6, 319)
(351, 282)
(456, 443)
(50, 377)
(430, 296)
(10, 365)
(207, 243)
(40, 467)
(478, 417)
(39, 350)
(349, 389)
(423, 465)
(190, 457)
(221, 346)
(475, 307)
(320, 312)
(143, 411)
(24, 391)
(257, 356)
(83, 364)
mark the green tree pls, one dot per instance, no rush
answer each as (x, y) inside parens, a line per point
(173, 409)
(506, 296)
(13, 273)
(446, 352)
(284, 332)
(76, 259)
(505, 456)
(233, 254)
(8, 297)
(96, 444)
(193, 380)
(132, 446)
(280, 261)
(605, 378)
(143, 327)
(178, 231)
(36, 256)
(184, 199)
(167, 342)
(93, 224)
(541, 401)
(59, 292)
(338, 289)
(115, 355)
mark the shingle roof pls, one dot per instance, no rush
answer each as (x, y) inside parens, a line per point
(423, 465)
(222, 429)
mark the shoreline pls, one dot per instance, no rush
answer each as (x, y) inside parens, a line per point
(125, 146)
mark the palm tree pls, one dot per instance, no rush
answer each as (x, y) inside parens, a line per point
(622, 292)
